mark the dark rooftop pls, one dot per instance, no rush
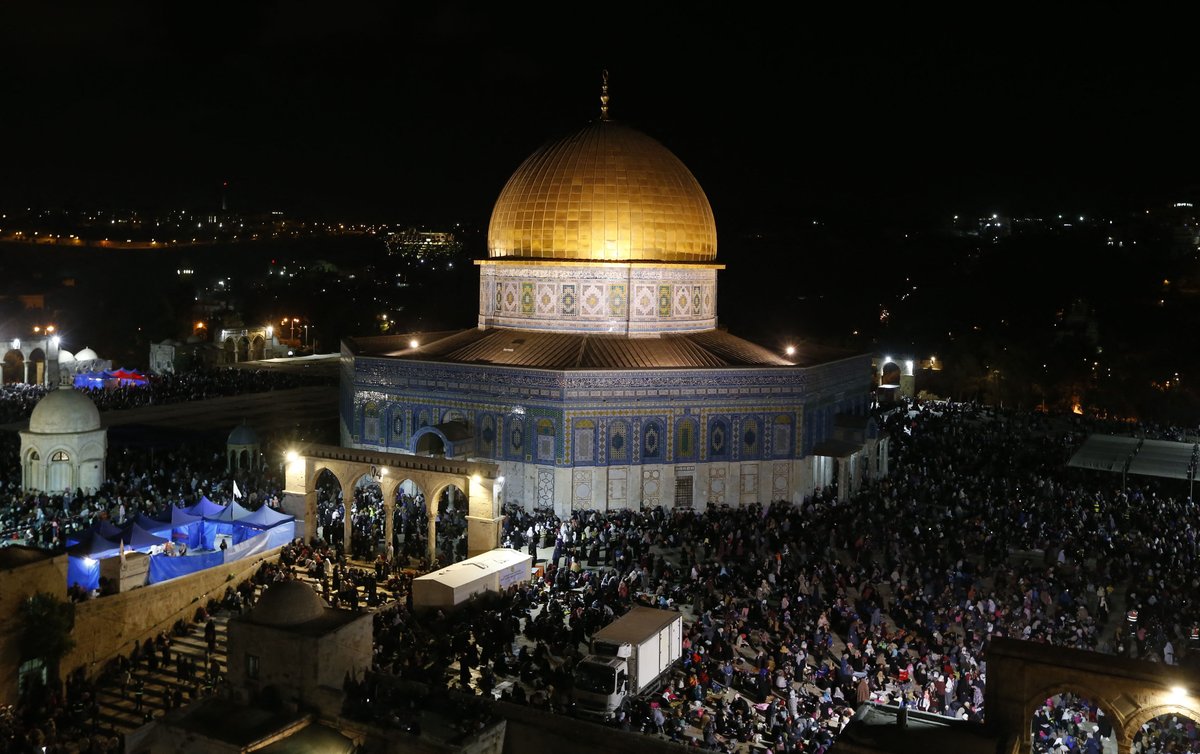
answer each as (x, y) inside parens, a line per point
(313, 739)
(875, 728)
(556, 350)
(223, 720)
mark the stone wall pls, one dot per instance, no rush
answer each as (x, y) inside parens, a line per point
(108, 626)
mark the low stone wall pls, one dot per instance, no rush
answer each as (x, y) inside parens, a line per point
(108, 626)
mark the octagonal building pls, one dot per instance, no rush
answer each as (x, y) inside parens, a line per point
(597, 376)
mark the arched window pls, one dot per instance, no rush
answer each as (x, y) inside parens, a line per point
(685, 435)
(585, 440)
(545, 440)
(487, 433)
(34, 455)
(652, 440)
(618, 440)
(781, 440)
(718, 438)
(749, 438)
(60, 455)
(371, 423)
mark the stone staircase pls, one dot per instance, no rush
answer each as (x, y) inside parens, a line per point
(119, 708)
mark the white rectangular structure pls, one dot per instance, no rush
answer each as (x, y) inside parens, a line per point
(495, 570)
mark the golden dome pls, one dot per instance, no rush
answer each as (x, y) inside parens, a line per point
(604, 193)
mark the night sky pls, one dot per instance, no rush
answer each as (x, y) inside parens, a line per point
(386, 113)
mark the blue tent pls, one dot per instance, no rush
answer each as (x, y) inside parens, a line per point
(141, 540)
(83, 559)
(161, 527)
(228, 522)
(92, 545)
(109, 530)
(180, 517)
(230, 513)
(266, 517)
(205, 508)
(92, 380)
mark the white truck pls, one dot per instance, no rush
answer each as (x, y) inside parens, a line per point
(628, 656)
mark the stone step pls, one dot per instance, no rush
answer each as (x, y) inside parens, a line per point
(119, 710)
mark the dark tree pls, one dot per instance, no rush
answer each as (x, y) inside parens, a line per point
(45, 632)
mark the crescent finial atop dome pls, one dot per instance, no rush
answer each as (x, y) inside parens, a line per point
(604, 94)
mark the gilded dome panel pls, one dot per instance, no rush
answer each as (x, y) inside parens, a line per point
(604, 193)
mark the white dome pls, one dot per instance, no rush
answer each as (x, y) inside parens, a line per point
(65, 357)
(86, 354)
(64, 411)
(288, 603)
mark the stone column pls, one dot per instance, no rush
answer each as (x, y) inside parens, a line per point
(389, 524)
(347, 507)
(844, 480)
(431, 515)
(300, 496)
(388, 487)
(484, 522)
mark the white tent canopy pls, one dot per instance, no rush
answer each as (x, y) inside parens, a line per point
(1163, 458)
(495, 570)
(1134, 455)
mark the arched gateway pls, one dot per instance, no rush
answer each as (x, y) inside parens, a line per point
(1022, 675)
(481, 481)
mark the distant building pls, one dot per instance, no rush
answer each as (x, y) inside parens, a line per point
(418, 244)
(240, 344)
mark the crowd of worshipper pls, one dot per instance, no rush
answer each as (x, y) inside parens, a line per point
(798, 613)
(807, 611)
(18, 399)
(1069, 723)
(340, 583)
(1167, 734)
(410, 534)
(139, 480)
